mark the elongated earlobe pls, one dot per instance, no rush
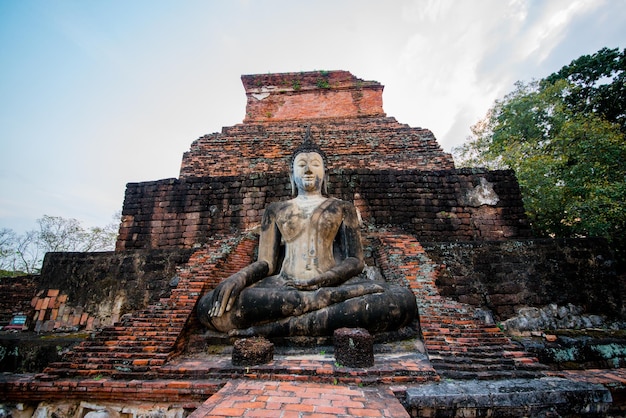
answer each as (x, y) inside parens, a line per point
(293, 185)
(325, 185)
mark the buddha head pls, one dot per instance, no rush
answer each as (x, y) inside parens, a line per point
(308, 167)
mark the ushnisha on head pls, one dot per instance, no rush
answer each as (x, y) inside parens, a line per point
(308, 167)
(308, 145)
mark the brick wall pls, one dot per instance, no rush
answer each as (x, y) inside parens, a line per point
(15, 294)
(374, 143)
(92, 290)
(309, 95)
(505, 276)
(436, 206)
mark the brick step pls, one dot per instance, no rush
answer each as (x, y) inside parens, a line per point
(446, 347)
(102, 357)
(121, 373)
(488, 375)
(184, 287)
(476, 347)
(150, 319)
(169, 326)
(102, 339)
(460, 358)
(452, 317)
(161, 315)
(532, 367)
(108, 363)
(145, 324)
(134, 375)
(470, 361)
(475, 368)
(139, 332)
(184, 298)
(433, 309)
(478, 330)
(67, 372)
(463, 335)
(123, 348)
(68, 365)
(516, 353)
(192, 285)
(464, 362)
(454, 351)
(140, 365)
(111, 361)
(160, 337)
(435, 313)
(491, 356)
(130, 342)
(133, 342)
(487, 341)
(165, 314)
(465, 325)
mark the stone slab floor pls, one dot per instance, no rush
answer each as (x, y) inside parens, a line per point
(297, 399)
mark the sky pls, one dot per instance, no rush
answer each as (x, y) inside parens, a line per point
(97, 94)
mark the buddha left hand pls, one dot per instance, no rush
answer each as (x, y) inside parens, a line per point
(330, 278)
(310, 284)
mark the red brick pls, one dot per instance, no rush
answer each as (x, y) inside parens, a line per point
(364, 412)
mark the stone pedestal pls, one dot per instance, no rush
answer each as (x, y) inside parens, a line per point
(252, 352)
(354, 347)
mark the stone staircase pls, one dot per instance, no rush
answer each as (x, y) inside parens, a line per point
(465, 349)
(141, 343)
(461, 344)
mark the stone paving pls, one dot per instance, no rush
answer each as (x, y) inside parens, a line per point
(298, 399)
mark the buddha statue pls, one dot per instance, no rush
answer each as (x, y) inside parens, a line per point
(307, 279)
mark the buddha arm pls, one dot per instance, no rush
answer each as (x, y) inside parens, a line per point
(225, 294)
(269, 241)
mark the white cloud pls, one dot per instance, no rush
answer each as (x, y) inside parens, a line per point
(461, 56)
(549, 29)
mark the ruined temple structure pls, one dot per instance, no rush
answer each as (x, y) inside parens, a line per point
(458, 238)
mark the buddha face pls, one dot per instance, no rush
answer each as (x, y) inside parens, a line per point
(308, 172)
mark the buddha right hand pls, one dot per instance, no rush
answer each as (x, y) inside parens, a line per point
(225, 293)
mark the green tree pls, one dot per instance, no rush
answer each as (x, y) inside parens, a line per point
(599, 84)
(566, 143)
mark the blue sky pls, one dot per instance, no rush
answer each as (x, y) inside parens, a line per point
(96, 94)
